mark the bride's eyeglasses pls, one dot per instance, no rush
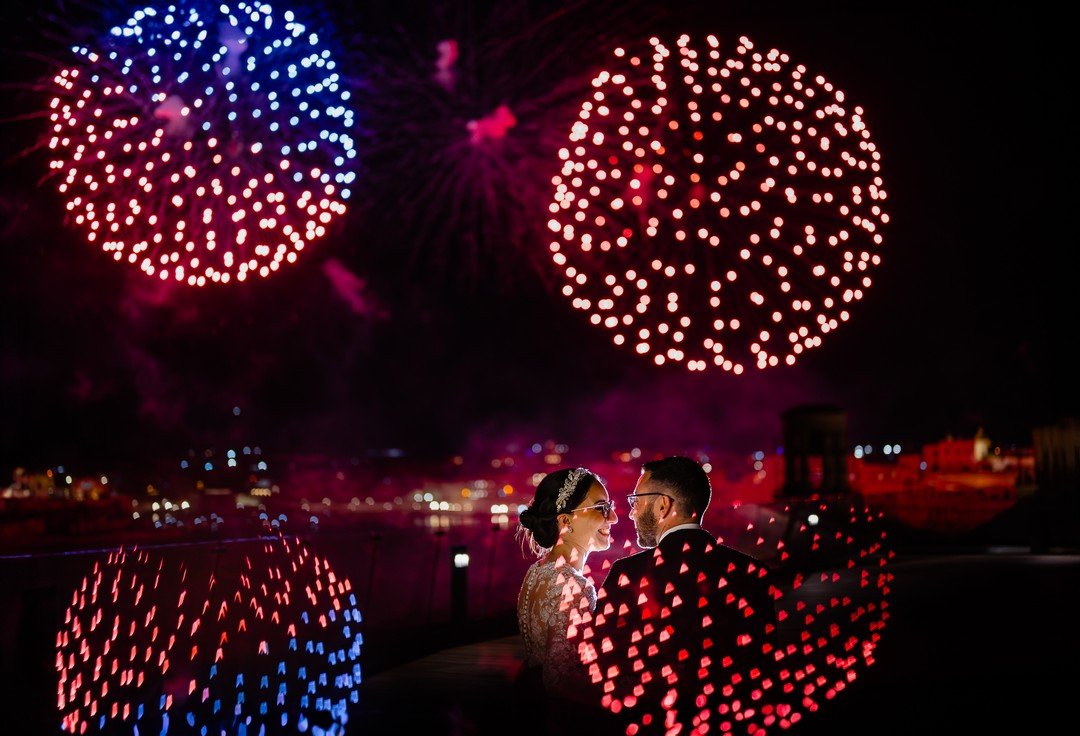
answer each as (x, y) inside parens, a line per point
(607, 509)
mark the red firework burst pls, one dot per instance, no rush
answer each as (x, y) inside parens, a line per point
(720, 207)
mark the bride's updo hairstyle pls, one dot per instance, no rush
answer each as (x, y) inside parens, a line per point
(558, 493)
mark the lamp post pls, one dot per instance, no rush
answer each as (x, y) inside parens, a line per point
(439, 534)
(459, 582)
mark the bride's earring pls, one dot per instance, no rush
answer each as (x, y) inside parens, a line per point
(569, 529)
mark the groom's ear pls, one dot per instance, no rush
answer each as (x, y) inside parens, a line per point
(670, 504)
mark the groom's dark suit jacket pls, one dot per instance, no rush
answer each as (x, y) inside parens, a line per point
(686, 619)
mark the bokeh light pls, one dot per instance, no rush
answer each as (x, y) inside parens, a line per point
(203, 142)
(696, 656)
(717, 205)
(149, 643)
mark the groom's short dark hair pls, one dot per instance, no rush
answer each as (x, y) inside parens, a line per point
(685, 478)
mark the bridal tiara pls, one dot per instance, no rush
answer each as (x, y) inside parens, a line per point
(568, 487)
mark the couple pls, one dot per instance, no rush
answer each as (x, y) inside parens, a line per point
(667, 623)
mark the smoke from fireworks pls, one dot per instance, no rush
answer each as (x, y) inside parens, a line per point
(203, 142)
(719, 208)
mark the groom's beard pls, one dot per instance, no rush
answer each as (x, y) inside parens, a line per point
(646, 525)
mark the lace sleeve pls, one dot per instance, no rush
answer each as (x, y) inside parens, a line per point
(567, 593)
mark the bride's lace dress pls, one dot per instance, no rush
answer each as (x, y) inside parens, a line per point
(550, 592)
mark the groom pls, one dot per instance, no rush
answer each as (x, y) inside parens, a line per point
(687, 623)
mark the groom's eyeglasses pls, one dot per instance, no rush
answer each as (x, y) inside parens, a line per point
(607, 508)
(633, 497)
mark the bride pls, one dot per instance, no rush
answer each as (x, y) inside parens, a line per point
(570, 516)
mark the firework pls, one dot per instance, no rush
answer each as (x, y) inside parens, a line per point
(466, 109)
(203, 142)
(721, 207)
(146, 644)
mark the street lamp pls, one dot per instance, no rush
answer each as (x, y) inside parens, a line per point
(459, 582)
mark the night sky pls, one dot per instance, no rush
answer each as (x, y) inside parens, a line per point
(456, 342)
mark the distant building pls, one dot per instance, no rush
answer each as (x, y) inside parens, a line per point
(815, 450)
(30, 485)
(88, 488)
(956, 455)
(1057, 455)
(1056, 517)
